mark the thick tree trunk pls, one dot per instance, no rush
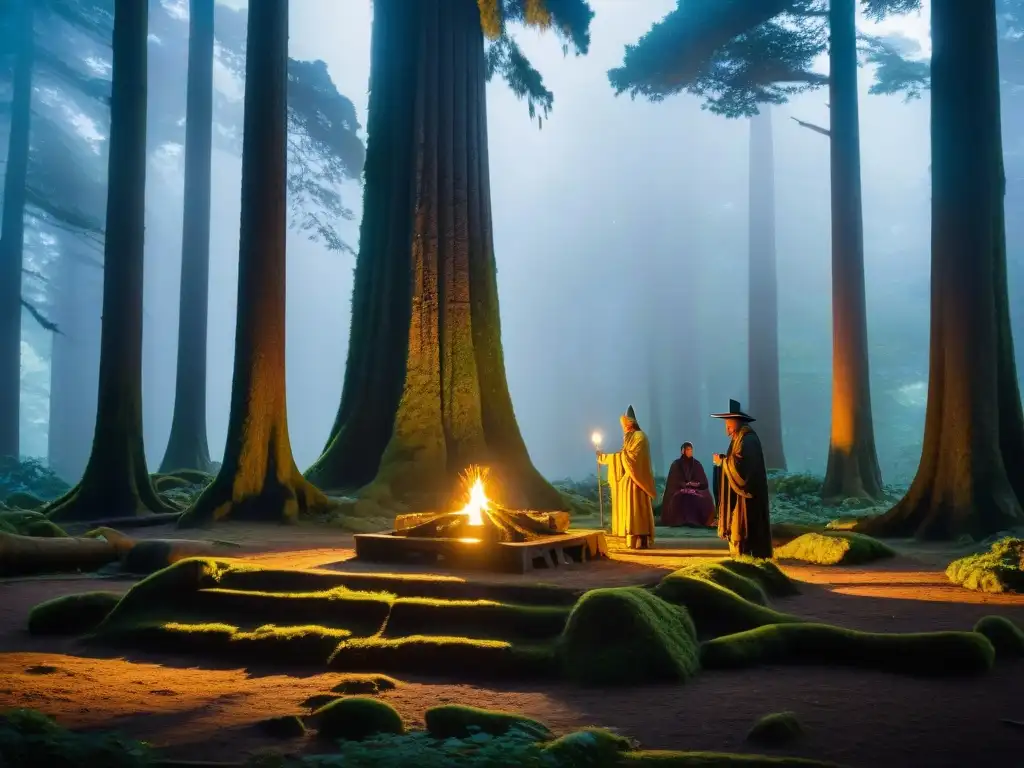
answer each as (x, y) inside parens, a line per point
(77, 296)
(12, 232)
(116, 480)
(425, 392)
(968, 481)
(258, 479)
(852, 469)
(187, 447)
(763, 315)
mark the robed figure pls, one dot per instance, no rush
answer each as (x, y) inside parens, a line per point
(743, 511)
(631, 479)
(687, 500)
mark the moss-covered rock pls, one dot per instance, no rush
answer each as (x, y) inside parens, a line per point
(72, 614)
(776, 730)
(715, 609)
(24, 500)
(43, 529)
(357, 718)
(283, 727)
(1001, 569)
(371, 685)
(626, 635)
(835, 548)
(455, 721)
(719, 574)
(1006, 637)
(29, 738)
(766, 573)
(925, 653)
(29, 523)
(589, 747)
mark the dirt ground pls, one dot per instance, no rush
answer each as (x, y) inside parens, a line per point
(195, 709)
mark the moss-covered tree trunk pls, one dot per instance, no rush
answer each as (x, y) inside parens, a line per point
(116, 480)
(258, 479)
(12, 230)
(187, 447)
(969, 479)
(425, 392)
(763, 316)
(852, 469)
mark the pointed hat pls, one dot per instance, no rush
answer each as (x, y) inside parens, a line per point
(630, 414)
(735, 412)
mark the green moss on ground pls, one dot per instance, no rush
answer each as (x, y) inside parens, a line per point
(665, 759)
(357, 684)
(719, 574)
(357, 718)
(835, 548)
(283, 727)
(29, 738)
(1006, 637)
(318, 700)
(715, 609)
(925, 653)
(589, 747)
(775, 730)
(627, 635)
(766, 573)
(29, 523)
(24, 500)
(1001, 569)
(72, 614)
(455, 721)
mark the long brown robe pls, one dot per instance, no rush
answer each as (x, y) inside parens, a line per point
(744, 518)
(631, 479)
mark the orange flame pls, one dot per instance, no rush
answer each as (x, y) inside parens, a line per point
(478, 501)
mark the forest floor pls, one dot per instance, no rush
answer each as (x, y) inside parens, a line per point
(195, 709)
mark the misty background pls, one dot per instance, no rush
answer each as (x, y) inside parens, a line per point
(601, 220)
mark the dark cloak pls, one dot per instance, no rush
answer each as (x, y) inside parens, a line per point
(684, 504)
(744, 518)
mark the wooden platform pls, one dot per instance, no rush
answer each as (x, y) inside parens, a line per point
(469, 554)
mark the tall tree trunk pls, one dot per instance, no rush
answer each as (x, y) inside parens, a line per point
(763, 315)
(653, 420)
(968, 481)
(852, 469)
(77, 295)
(258, 479)
(425, 392)
(116, 480)
(12, 232)
(187, 446)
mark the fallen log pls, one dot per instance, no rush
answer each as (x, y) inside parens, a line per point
(27, 555)
(150, 555)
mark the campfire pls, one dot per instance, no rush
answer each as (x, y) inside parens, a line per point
(482, 534)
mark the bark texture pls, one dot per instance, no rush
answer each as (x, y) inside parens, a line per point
(258, 479)
(969, 479)
(852, 469)
(187, 446)
(763, 315)
(116, 480)
(425, 392)
(12, 232)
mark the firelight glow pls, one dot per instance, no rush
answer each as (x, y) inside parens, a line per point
(595, 438)
(478, 503)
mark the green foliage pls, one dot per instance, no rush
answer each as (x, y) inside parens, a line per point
(627, 635)
(455, 721)
(776, 729)
(30, 477)
(357, 718)
(1006, 637)
(835, 548)
(1000, 569)
(715, 609)
(28, 738)
(925, 653)
(894, 73)
(30, 523)
(72, 614)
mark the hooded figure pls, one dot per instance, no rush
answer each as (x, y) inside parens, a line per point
(743, 511)
(687, 500)
(631, 479)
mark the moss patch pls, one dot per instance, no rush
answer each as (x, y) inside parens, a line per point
(719, 574)
(589, 747)
(835, 548)
(775, 730)
(29, 523)
(72, 614)
(357, 718)
(715, 609)
(318, 700)
(766, 573)
(925, 653)
(356, 684)
(626, 635)
(28, 738)
(23, 500)
(1001, 569)
(1006, 637)
(454, 721)
(284, 727)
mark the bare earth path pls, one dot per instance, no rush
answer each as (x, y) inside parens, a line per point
(199, 710)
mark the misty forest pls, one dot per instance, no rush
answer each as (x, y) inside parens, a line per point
(268, 435)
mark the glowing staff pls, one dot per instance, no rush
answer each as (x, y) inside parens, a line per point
(595, 438)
